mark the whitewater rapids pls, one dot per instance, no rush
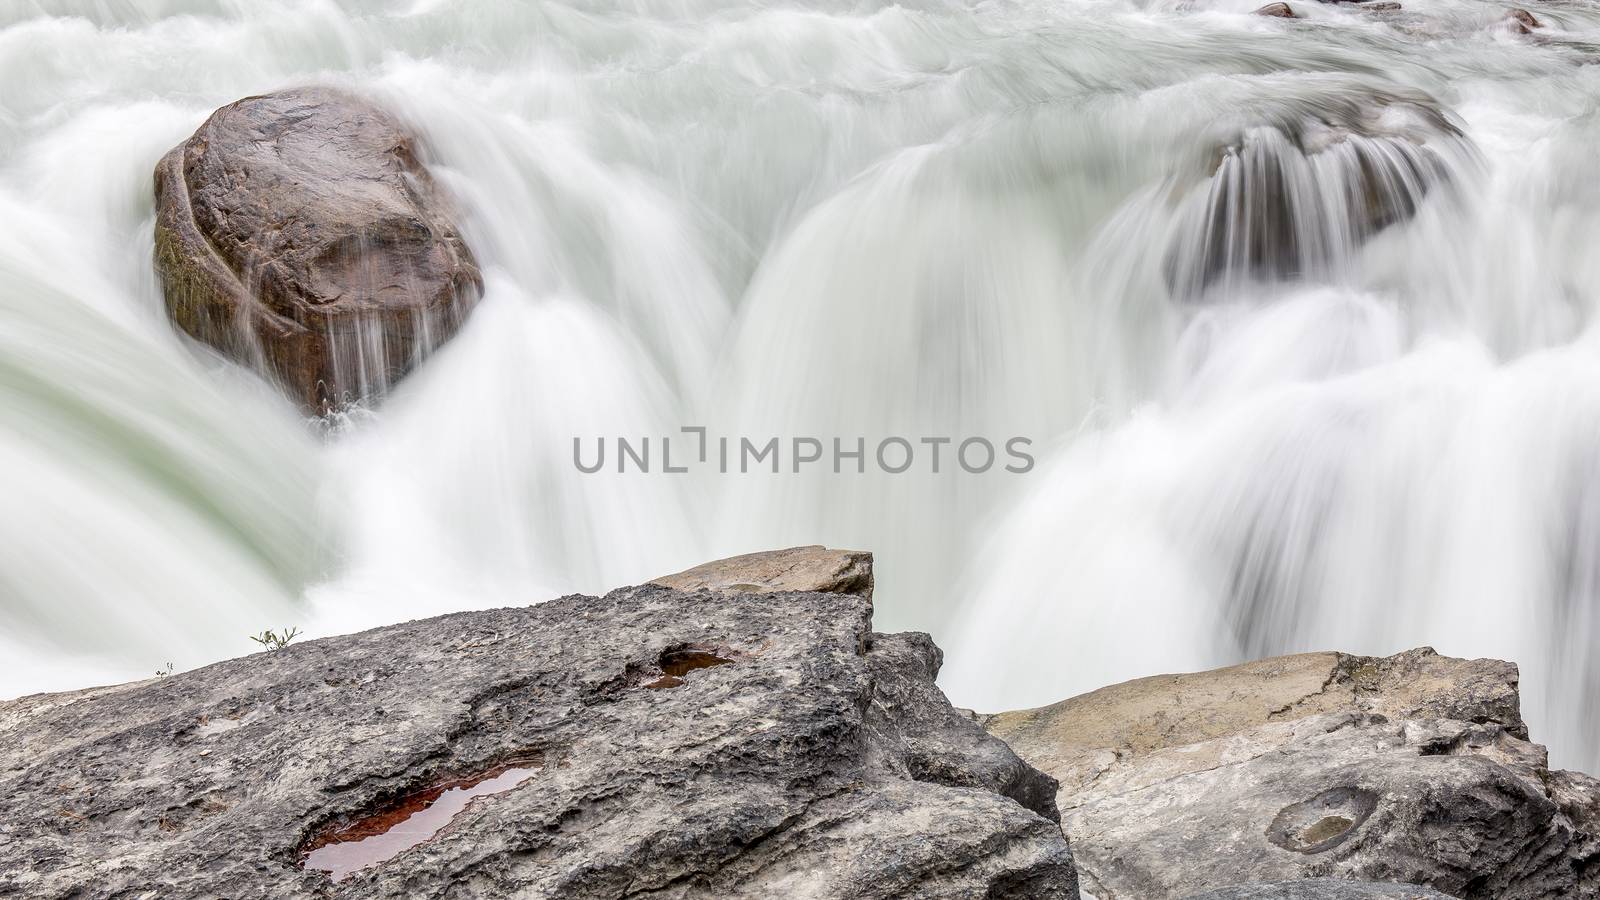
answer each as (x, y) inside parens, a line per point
(840, 219)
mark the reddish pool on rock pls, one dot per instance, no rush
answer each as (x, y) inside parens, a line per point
(680, 662)
(415, 819)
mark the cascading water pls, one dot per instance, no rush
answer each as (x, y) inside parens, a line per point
(1298, 201)
(1297, 314)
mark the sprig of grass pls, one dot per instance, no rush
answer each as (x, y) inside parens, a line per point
(272, 640)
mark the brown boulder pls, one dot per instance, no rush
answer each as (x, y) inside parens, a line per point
(298, 233)
(1522, 21)
(1069, 739)
(811, 568)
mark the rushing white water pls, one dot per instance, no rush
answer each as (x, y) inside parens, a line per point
(1298, 315)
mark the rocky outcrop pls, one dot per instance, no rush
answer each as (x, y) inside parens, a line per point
(1416, 768)
(298, 233)
(1322, 889)
(810, 568)
(649, 743)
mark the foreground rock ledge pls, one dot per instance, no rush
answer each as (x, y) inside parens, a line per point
(1413, 768)
(1323, 889)
(805, 757)
(298, 233)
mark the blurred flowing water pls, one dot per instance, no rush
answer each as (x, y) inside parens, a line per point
(1298, 314)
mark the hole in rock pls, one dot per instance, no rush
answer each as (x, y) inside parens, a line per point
(677, 663)
(415, 818)
(1322, 822)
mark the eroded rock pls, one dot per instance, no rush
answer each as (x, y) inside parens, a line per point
(812, 759)
(810, 568)
(1414, 768)
(298, 233)
(1322, 889)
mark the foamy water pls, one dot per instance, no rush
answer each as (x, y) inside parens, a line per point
(851, 219)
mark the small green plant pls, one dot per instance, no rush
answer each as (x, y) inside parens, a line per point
(164, 671)
(272, 640)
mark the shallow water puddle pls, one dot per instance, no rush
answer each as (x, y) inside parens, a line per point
(677, 663)
(415, 819)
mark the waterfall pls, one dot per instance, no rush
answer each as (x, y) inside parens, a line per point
(1297, 316)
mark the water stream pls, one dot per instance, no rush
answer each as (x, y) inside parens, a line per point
(1298, 316)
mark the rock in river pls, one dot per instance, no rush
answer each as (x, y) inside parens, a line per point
(1521, 21)
(298, 233)
(1277, 11)
(1414, 768)
(648, 743)
(1297, 193)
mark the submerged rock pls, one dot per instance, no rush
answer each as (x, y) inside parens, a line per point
(1522, 21)
(1297, 196)
(651, 742)
(298, 233)
(1277, 10)
(1415, 768)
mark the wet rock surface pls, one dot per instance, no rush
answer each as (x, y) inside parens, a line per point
(817, 759)
(1522, 21)
(1414, 768)
(1277, 11)
(298, 233)
(1297, 194)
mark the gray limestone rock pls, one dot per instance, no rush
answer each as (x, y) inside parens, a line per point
(1415, 768)
(1323, 889)
(649, 743)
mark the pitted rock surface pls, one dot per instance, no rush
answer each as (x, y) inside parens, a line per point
(818, 761)
(1413, 768)
(1323, 889)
